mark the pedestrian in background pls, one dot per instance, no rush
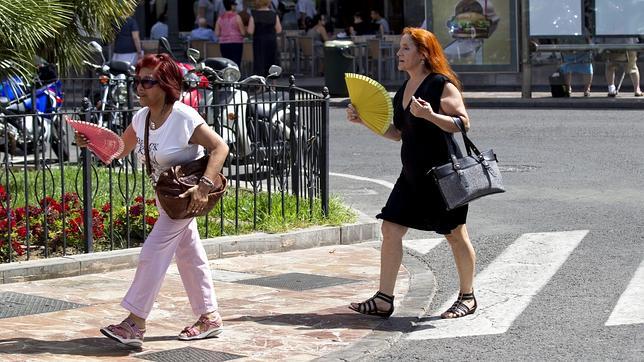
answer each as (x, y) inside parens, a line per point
(159, 29)
(306, 11)
(428, 104)
(230, 31)
(382, 23)
(127, 44)
(177, 134)
(264, 25)
(626, 58)
(203, 32)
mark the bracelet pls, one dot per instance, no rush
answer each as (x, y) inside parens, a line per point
(208, 182)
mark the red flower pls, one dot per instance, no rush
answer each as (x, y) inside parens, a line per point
(70, 196)
(59, 207)
(135, 210)
(22, 231)
(20, 213)
(107, 207)
(150, 220)
(3, 193)
(139, 199)
(150, 202)
(48, 200)
(17, 247)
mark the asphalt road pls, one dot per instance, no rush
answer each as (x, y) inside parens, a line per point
(565, 170)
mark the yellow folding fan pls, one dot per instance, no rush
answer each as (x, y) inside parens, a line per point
(371, 101)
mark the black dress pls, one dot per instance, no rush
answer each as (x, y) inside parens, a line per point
(264, 41)
(415, 201)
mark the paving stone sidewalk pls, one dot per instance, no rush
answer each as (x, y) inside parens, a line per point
(281, 306)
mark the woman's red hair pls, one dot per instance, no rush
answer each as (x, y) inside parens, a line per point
(166, 71)
(429, 47)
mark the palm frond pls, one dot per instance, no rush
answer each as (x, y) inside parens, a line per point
(55, 30)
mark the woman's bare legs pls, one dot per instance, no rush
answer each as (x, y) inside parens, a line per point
(465, 259)
(390, 258)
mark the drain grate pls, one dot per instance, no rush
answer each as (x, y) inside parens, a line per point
(18, 304)
(516, 168)
(297, 281)
(189, 354)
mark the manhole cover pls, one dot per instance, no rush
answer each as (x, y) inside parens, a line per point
(516, 168)
(18, 304)
(189, 354)
(297, 281)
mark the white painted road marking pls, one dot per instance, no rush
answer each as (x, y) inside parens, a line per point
(630, 306)
(384, 183)
(506, 287)
(423, 246)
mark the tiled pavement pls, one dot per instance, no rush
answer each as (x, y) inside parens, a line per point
(261, 322)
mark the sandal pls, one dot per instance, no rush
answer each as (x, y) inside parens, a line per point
(460, 309)
(203, 328)
(126, 332)
(638, 94)
(369, 306)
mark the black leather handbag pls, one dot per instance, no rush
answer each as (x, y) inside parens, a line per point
(468, 178)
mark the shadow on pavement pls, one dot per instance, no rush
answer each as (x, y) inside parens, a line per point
(330, 321)
(93, 346)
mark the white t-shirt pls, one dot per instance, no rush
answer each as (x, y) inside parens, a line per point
(169, 143)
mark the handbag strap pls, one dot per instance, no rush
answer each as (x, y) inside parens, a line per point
(148, 166)
(453, 148)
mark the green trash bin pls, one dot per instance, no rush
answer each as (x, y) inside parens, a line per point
(337, 61)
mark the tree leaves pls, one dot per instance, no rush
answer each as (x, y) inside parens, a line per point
(56, 30)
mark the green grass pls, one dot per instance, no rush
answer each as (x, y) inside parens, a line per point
(251, 211)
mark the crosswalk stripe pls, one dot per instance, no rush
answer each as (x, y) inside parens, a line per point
(423, 246)
(506, 287)
(630, 306)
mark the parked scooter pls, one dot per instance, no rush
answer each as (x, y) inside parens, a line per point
(25, 135)
(250, 115)
(115, 78)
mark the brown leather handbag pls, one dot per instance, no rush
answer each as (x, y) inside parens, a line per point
(178, 179)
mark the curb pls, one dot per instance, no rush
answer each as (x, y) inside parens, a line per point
(421, 291)
(365, 229)
(536, 103)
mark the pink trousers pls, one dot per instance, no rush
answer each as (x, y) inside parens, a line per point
(168, 238)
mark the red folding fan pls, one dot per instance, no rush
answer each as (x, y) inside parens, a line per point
(105, 144)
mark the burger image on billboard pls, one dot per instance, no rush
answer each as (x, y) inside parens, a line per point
(469, 25)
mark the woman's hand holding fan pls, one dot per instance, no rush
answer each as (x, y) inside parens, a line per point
(105, 144)
(352, 115)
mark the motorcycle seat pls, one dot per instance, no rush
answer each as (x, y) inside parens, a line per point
(119, 67)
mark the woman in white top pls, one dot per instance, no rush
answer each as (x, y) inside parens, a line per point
(177, 135)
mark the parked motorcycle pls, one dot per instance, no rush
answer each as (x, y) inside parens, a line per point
(26, 135)
(250, 115)
(115, 78)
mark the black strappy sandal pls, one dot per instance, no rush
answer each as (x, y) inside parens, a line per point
(460, 309)
(369, 306)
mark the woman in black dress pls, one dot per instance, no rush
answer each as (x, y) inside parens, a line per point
(428, 104)
(264, 25)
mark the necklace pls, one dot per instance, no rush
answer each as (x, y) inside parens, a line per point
(153, 125)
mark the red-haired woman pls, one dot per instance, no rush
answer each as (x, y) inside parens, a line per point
(177, 134)
(427, 105)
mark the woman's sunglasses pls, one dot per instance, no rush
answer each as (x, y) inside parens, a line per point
(147, 83)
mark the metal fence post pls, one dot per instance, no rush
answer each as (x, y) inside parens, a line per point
(324, 154)
(87, 201)
(295, 146)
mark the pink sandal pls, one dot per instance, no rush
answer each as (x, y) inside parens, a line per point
(203, 328)
(126, 332)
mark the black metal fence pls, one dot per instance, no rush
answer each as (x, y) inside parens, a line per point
(57, 199)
